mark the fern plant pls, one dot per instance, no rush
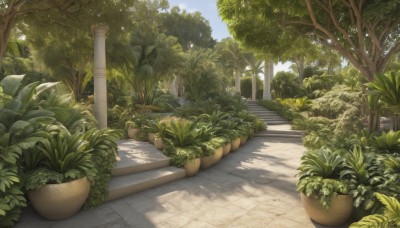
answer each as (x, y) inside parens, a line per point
(389, 219)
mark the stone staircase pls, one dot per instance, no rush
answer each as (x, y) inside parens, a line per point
(140, 166)
(276, 125)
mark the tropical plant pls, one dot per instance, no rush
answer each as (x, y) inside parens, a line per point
(319, 175)
(387, 142)
(181, 155)
(63, 157)
(182, 132)
(103, 154)
(387, 87)
(286, 85)
(365, 177)
(390, 218)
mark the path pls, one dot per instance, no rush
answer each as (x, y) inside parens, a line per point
(252, 187)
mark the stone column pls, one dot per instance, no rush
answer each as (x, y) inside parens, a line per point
(99, 74)
(268, 74)
(173, 87)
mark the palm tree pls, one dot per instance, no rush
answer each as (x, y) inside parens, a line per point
(234, 55)
(255, 67)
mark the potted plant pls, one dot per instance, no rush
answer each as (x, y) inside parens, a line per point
(212, 152)
(134, 125)
(182, 145)
(58, 174)
(185, 157)
(155, 128)
(323, 194)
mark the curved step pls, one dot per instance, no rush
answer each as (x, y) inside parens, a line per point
(129, 184)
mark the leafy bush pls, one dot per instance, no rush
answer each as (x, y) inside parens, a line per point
(387, 142)
(389, 218)
(286, 85)
(104, 151)
(246, 87)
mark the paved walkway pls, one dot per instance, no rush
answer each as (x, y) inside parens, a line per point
(252, 187)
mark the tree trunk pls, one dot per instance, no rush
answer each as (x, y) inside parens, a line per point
(396, 122)
(6, 24)
(253, 87)
(237, 80)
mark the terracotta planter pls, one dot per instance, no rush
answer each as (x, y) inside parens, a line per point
(243, 140)
(192, 167)
(235, 144)
(339, 212)
(226, 149)
(151, 137)
(158, 143)
(133, 132)
(60, 201)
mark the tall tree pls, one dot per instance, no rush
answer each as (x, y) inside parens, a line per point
(255, 67)
(235, 56)
(366, 33)
(191, 29)
(11, 11)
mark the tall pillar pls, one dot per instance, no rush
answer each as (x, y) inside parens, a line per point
(268, 74)
(99, 68)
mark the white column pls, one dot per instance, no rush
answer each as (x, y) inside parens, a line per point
(268, 74)
(173, 87)
(99, 67)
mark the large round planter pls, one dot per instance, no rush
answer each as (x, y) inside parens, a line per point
(243, 140)
(192, 167)
(60, 201)
(226, 149)
(133, 132)
(158, 143)
(235, 144)
(339, 212)
(218, 154)
(206, 162)
(151, 137)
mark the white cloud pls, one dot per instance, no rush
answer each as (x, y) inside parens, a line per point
(182, 6)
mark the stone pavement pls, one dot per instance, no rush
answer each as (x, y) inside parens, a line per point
(252, 187)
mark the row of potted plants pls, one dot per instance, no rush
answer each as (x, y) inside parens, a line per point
(200, 141)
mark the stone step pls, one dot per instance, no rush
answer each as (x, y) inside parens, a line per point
(276, 122)
(136, 157)
(270, 117)
(282, 132)
(277, 135)
(125, 185)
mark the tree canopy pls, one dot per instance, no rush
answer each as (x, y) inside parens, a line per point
(366, 33)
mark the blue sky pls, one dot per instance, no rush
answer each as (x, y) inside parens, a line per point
(208, 8)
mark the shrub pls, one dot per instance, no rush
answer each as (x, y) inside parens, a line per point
(286, 85)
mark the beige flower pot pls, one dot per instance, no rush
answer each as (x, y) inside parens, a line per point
(151, 137)
(339, 212)
(133, 132)
(158, 143)
(60, 201)
(243, 140)
(226, 149)
(235, 144)
(192, 167)
(208, 161)
(218, 154)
